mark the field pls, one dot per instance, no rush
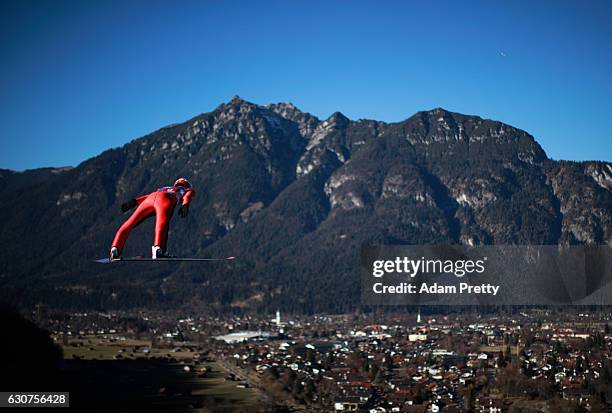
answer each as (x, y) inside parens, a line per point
(514, 350)
(108, 348)
(158, 380)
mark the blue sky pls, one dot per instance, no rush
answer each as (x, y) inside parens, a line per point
(80, 77)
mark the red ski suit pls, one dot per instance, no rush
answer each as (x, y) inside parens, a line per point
(160, 203)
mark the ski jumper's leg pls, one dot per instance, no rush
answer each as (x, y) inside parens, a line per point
(164, 207)
(144, 210)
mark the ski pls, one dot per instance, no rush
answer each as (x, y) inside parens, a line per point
(144, 259)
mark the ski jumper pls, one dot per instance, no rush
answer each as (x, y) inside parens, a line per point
(160, 203)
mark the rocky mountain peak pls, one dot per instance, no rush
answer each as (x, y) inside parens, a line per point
(288, 111)
(235, 105)
(338, 118)
(441, 116)
(439, 111)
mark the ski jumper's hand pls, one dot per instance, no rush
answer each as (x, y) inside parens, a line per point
(126, 206)
(187, 198)
(183, 211)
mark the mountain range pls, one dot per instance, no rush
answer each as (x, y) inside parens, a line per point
(293, 197)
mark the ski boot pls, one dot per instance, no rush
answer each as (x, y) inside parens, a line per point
(114, 254)
(157, 252)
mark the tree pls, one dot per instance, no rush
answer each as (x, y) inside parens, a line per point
(373, 371)
(298, 388)
(378, 378)
(273, 372)
(468, 401)
(289, 380)
(388, 362)
(501, 360)
(309, 389)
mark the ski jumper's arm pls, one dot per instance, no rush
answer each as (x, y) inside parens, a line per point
(126, 206)
(188, 197)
